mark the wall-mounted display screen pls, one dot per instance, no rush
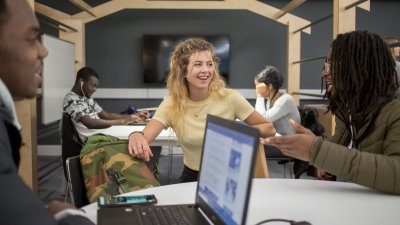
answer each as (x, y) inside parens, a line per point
(157, 50)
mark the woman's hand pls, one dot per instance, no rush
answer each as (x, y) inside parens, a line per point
(295, 145)
(261, 90)
(138, 147)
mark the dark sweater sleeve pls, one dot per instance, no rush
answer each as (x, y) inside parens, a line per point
(19, 205)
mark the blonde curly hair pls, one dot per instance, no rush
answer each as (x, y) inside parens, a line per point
(177, 84)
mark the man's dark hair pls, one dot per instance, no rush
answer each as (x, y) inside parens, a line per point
(86, 72)
(3, 13)
(363, 75)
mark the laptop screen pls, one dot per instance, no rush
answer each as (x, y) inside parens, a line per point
(226, 170)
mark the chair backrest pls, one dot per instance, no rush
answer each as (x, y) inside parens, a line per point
(71, 143)
(76, 184)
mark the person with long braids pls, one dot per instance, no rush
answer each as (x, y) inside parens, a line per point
(280, 107)
(195, 90)
(361, 84)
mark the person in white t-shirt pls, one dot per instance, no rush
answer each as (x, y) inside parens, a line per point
(273, 104)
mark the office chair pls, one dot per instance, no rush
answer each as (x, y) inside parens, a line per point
(309, 120)
(71, 143)
(273, 153)
(76, 184)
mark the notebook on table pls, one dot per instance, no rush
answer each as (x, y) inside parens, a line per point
(223, 189)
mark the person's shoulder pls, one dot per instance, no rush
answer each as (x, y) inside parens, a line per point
(166, 102)
(394, 101)
(393, 104)
(5, 114)
(287, 96)
(71, 95)
(72, 101)
(391, 108)
(231, 92)
(167, 99)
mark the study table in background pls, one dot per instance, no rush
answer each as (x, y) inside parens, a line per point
(165, 138)
(318, 202)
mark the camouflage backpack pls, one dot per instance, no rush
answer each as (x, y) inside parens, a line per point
(108, 169)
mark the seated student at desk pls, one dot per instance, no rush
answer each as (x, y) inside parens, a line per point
(195, 90)
(361, 84)
(280, 107)
(87, 116)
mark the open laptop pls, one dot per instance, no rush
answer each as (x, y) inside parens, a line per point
(223, 189)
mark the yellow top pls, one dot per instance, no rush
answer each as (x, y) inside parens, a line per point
(233, 106)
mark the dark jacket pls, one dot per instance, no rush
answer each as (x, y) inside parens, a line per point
(18, 204)
(376, 161)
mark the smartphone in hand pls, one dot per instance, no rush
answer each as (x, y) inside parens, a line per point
(117, 201)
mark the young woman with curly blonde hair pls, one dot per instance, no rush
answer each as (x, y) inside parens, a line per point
(195, 90)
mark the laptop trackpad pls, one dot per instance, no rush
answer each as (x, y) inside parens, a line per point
(117, 215)
(195, 216)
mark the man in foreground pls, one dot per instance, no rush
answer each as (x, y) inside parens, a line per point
(21, 62)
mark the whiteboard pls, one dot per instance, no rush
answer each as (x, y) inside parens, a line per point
(58, 76)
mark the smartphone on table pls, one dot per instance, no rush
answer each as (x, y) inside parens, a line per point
(116, 201)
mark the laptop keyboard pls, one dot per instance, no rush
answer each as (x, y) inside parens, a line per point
(163, 215)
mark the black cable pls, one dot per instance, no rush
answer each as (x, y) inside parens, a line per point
(292, 222)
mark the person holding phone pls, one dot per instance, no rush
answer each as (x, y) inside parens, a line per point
(279, 107)
(361, 83)
(195, 90)
(21, 62)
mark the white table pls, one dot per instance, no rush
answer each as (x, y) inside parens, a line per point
(165, 138)
(318, 202)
